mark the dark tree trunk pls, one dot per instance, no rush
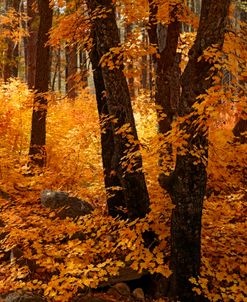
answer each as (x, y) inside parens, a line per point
(107, 133)
(71, 69)
(134, 201)
(188, 182)
(83, 68)
(144, 75)
(128, 30)
(37, 151)
(59, 77)
(167, 71)
(240, 129)
(31, 42)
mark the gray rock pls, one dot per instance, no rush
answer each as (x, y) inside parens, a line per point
(23, 297)
(65, 205)
(53, 199)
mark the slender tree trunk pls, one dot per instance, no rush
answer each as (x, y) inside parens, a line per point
(187, 184)
(31, 42)
(37, 151)
(59, 77)
(144, 75)
(71, 70)
(135, 201)
(198, 5)
(83, 67)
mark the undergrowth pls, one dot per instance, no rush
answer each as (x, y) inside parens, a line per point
(56, 261)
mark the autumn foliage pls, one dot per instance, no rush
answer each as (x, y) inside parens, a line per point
(58, 264)
(60, 257)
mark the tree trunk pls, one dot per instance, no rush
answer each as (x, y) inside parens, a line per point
(83, 67)
(128, 30)
(144, 75)
(31, 42)
(134, 201)
(71, 69)
(187, 184)
(167, 78)
(107, 132)
(240, 129)
(37, 151)
(241, 126)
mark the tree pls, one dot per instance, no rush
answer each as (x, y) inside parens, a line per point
(31, 41)
(107, 134)
(167, 68)
(130, 183)
(187, 184)
(37, 151)
(71, 70)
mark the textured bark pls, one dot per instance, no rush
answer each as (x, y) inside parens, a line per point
(135, 201)
(31, 42)
(107, 133)
(188, 182)
(166, 66)
(83, 67)
(37, 151)
(128, 30)
(71, 69)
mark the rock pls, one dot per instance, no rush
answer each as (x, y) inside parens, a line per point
(23, 297)
(53, 199)
(65, 205)
(119, 291)
(122, 288)
(138, 294)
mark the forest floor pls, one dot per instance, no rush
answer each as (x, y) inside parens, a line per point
(223, 252)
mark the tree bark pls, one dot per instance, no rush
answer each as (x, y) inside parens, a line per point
(167, 70)
(187, 184)
(239, 129)
(134, 201)
(107, 132)
(71, 70)
(31, 42)
(83, 67)
(128, 30)
(37, 153)
(241, 126)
